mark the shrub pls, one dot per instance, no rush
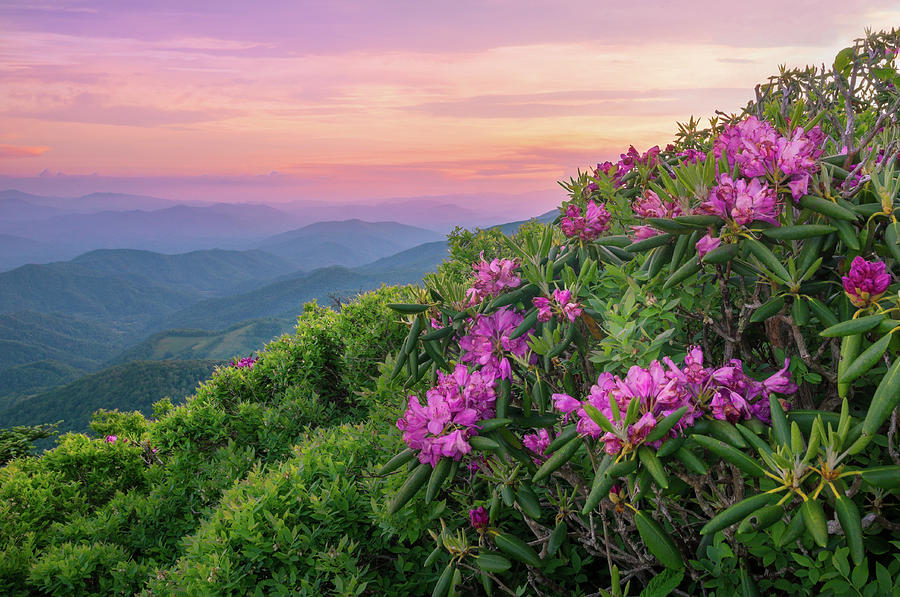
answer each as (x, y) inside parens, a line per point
(687, 381)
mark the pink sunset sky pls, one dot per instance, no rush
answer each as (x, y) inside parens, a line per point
(345, 100)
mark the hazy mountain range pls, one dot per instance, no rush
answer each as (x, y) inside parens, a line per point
(83, 331)
(40, 229)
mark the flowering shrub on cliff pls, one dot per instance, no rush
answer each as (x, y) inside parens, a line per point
(693, 381)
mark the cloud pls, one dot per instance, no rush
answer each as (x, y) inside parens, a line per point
(22, 151)
(91, 108)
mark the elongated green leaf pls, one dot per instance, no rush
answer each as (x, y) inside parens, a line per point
(683, 273)
(866, 360)
(517, 549)
(436, 480)
(767, 309)
(885, 477)
(658, 542)
(665, 425)
(649, 243)
(814, 518)
(853, 326)
(491, 561)
(768, 259)
(407, 308)
(827, 208)
(848, 515)
(732, 455)
(798, 232)
(737, 512)
(654, 466)
(557, 537)
(411, 487)
(397, 461)
(528, 502)
(886, 397)
(721, 254)
(557, 459)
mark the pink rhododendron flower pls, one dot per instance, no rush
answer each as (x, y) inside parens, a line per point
(865, 282)
(441, 427)
(587, 227)
(725, 393)
(488, 342)
(545, 313)
(479, 518)
(707, 244)
(492, 277)
(759, 150)
(245, 363)
(649, 205)
(561, 304)
(742, 202)
(537, 443)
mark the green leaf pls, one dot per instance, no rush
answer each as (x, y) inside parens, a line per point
(768, 259)
(491, 561)
(663, 427)
(798, 232)
(649, 243)
(653, 466)
(767, 309)
(866, 360)
(852, 326)
(658, 542)
(827, 208)
(411, 487)
(517, 549)
(557, 459)
(814, 519)
(663, 583)
(738, 511)
(732, 455)
(407, 308)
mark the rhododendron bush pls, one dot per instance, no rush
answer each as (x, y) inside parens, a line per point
(689, 381)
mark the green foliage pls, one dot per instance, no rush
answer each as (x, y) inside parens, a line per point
(19, 441)
(302, 527)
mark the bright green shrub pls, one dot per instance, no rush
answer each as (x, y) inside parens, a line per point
(98, 467)
(85, 569)
(132, 425)
(304, 526)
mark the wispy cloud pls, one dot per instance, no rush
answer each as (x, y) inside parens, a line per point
(22, 151)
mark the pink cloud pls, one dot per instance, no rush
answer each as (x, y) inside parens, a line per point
(22, 151)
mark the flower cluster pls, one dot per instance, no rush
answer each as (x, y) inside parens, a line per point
(649, 205)
(245, 363)
(587, 227)
(726, 393)
(742, 201)
(759, 150)
(479, 518)
(537, 443)
(865, 282)
(561, 303)
(442, 427)
(627, 162)
(488, 342)
(491, 278)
